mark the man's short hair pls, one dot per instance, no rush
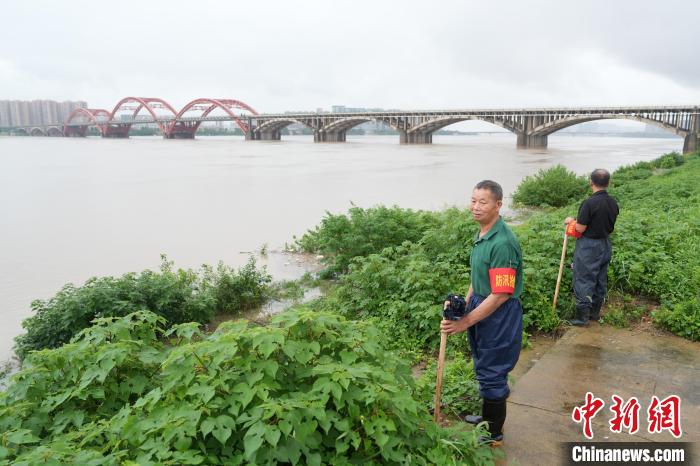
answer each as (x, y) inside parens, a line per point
(600, 177)
(492, 186)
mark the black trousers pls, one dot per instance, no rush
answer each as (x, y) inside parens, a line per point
(591, 260)
(495, 343)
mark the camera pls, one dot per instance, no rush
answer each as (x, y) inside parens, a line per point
(456, 308)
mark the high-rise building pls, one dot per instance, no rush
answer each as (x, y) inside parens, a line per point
(36, 112)
(4, 112)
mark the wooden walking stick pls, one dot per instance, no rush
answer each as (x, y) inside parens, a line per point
(440, 366)
(561, 271)
(455, 308)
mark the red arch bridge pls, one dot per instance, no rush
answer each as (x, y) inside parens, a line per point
(530, 125)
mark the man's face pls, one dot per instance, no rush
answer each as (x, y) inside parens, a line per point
(485, 207)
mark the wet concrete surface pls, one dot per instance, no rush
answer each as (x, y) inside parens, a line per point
(605, 361)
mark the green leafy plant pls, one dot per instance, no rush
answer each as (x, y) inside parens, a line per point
(401, 289)
(233, 290)
(340, 238)
(621, 312)
(682, 319)
(310, 388)
(552, 187)
(177, 295)
(674, 159)
(460, 389)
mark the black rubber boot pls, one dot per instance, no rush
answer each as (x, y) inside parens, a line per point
(582, 317)
(494, 412)
(595, 312)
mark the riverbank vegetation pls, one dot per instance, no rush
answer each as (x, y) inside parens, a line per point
(400, 281)
(327, 381)
(178, 295)
(308, 388)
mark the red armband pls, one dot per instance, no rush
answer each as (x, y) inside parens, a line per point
(502, 280)
(572, 231)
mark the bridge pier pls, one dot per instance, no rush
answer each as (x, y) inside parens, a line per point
(75, 131)
(531, 142)
(406, 137)
(329, 136)
(116, 132)
(270, 135)
(692, 140)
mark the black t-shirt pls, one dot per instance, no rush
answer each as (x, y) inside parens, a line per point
(598, 213)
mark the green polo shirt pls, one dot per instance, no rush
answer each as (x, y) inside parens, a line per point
(497, 251)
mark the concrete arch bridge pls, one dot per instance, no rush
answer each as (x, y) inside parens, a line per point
(531, 126)
(51, 130)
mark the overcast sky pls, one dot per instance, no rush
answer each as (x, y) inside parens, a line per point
(300, 55)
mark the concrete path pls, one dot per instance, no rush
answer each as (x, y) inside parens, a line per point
(604, 361)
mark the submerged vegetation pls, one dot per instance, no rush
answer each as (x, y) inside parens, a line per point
(177, 295)
(118, 371)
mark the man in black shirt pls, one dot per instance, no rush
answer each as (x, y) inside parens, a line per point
(592, 226)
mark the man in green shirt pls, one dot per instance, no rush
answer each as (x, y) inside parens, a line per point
(494, 322)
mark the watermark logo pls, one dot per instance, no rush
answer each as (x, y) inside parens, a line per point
(661, 415)
(625, 415)
(587, 412)
(665, 415)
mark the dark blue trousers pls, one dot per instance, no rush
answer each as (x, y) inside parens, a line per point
(591, 260)
(495, 343)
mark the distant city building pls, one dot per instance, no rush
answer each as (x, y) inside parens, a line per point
(143, 118)
(344, 109)
(36, 112)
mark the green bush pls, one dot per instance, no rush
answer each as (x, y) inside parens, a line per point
(682, 319)
(674, 159)
(310, 388)
(177, 295)
(402, 288)
(233, 290)
(554, 187)
(340, 238)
